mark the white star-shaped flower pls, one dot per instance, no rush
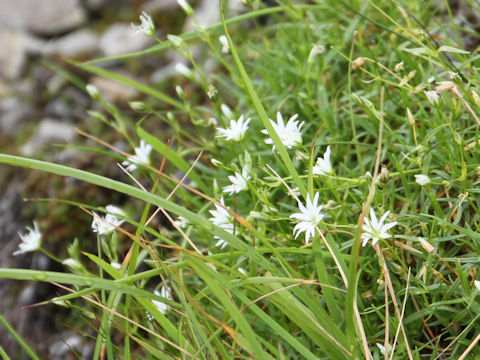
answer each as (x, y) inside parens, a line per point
(239, 182)
(236, 130)
(323, 165)
(104, 226)
(146, 27)
(142, 156)
(31, 241)
(289, 134)
(374, 229)
(161, 306)
(223, 219)
(309, 217)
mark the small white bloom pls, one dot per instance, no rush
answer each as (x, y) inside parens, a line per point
(323, 165)
(399, 67)
(239, 182)
(421, 179)
(181, 222)
(104, 226)
(236, 131)
(223, 219)
(432, 97)
(146, 27)
(142, 156)
(212, 91)
(161, 306)
(225, 45)
(185, 6)
(221, 243)
(374, 229)
(289, 134)
(452, 75)
(31, 241)
(477, 284)
(184, 70)
(309, 216)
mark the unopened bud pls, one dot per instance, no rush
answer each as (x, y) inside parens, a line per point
(186, 7)
(384, 174)
(93, 91)
(358, 62)
(426, 245)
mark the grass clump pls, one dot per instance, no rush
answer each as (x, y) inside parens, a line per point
(328, 211)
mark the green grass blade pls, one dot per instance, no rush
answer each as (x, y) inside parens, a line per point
(18, 338)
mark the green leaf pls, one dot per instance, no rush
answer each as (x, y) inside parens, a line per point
(451, 49)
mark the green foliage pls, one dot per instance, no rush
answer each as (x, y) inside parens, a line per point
(383, 85)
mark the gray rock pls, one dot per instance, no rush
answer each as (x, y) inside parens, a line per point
(121, 39)
(13, 113)
(77, 43)
(45, 17)
(112, 90)
(16, 45)
(49, 131)
(153, 6)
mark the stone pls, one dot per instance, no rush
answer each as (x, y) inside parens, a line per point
(45, 17)
(49, 131)
(121, 39)
(16, 45)
(74, 44)
(112, 90)
(153, 6)
(13, 113)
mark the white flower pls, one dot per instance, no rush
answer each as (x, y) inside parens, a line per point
(289, 134)
(453, 75)
(324, 166)
(212, 91)
(161, 306)
(104, 226)
(146, 27)
(239, 182)
(142, 156)
(225, 46)
(236, 131)
(31, 241)
(374, 229)
(477, 284)
(309, 217)
(223, 219)
(381, 348)
(184, 70)
(432, 97)
(421, 179)
(181, 222)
